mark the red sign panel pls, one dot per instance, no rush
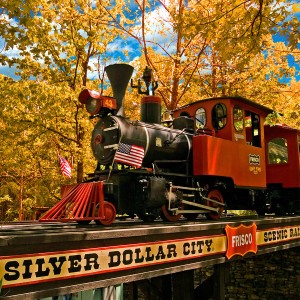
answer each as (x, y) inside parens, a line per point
(241, 240)
(109, 102)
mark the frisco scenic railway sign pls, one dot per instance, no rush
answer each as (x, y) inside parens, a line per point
(233, 240)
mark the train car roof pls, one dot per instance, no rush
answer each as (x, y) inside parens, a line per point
(238, 98)
(284, 127)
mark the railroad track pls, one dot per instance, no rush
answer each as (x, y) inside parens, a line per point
(27, 227)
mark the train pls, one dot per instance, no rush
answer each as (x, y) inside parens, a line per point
(204, 158)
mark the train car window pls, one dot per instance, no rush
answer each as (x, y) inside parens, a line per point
(278, 151)
(219, 116)
(238, 118)
(252, 124)
(200, 118)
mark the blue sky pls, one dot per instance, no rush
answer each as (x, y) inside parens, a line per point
(291, 60)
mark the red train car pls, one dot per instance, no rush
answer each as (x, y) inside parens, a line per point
(283, 165)
(252, 160)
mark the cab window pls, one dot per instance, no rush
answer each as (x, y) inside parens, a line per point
(219, 116)
(238, 118)
(278, 151)
(252, 124)
(200, 118)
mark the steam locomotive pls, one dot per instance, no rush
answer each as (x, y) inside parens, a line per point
(203, 158)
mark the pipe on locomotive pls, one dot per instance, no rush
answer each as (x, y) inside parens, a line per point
(119, 76)
(150, 104)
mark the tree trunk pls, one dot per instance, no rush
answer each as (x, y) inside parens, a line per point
(21, 197)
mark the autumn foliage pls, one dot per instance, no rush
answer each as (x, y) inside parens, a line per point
(196, 49)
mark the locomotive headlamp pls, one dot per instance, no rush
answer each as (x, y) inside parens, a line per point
(92, 105)
(95, 102)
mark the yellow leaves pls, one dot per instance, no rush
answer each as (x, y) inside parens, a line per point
(295, 8)
(202, 48)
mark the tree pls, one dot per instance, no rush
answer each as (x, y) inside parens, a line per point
(194, 47)
(59, 43)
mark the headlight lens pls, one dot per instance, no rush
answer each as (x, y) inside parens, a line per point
(92, 105)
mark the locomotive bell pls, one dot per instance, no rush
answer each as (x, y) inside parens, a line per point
(119, 76)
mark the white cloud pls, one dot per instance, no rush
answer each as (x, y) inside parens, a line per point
(159, 29)
(156, 20)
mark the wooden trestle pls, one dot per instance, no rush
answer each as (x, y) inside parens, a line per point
(39, 260)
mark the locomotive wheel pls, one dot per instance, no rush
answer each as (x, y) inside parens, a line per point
(168, 215)
(215, 195)
(109, 213)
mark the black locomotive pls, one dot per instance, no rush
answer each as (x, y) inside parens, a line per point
(210, 156)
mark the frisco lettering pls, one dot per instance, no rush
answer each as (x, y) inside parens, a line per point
(102, 260)
(241, 240)
(254, 159)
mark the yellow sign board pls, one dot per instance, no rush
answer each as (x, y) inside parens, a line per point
(27, 269)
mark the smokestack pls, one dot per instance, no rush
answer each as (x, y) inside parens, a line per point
(119, 76)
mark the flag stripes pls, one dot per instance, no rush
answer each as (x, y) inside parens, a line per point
(65, 167)
(130, 155)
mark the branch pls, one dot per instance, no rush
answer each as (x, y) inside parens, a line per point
(52, 130)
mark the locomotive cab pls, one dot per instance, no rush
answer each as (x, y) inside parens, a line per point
(231, 118)
(228, 149)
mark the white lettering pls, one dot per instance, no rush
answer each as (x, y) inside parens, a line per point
(241, 240)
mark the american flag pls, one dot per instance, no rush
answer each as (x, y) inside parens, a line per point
(130, 155)
(65, 167)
